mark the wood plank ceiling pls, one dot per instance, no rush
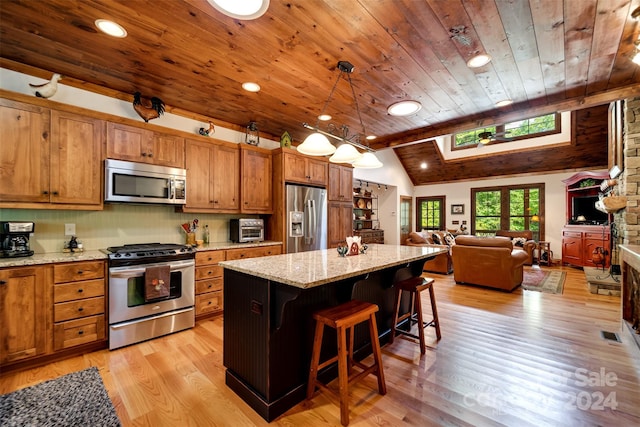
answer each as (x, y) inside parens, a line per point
(548, 55)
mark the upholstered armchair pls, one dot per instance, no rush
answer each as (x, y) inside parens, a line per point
(488, 261)
(528, 245)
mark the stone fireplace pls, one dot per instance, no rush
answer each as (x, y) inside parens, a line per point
(626, 220)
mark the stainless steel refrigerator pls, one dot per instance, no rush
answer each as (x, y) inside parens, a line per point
(306, 218)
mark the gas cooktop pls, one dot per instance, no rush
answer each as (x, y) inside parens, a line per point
(150, 252)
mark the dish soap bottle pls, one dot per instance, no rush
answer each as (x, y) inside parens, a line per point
(205, 234)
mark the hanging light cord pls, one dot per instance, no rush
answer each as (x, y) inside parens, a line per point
(355, 100)
(326, 104)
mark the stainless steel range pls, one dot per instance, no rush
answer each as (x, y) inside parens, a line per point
(151, 291)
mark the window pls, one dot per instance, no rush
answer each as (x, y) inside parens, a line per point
(513, 131)
(517, 208)
(430, 214)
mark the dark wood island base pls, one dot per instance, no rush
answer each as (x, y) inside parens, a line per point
(269, 330)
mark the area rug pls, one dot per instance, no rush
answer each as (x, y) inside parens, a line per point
(536, 279)
(76, 399)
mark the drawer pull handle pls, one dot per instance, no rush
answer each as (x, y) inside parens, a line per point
(80, 309)
(80, 290)
(80, 272)
(2, 282)
(80, 332)
(210, 286)
(209, 303)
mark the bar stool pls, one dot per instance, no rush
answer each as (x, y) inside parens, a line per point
(341, 318)
(414, 286)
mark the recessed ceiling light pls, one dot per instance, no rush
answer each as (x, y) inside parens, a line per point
(324, 117)
(251, 87)
(245, 9)
(404, 108)
(479, 60)
(371, 137)
(423, 165)
(504, 103)
(111, 28)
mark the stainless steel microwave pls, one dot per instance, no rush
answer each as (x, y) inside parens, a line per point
(131, 182)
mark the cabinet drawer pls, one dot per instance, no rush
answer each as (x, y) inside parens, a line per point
(575, 234)
(253, 252)
(78, 271)
(209, 257)
(203, 286)
(77, 309)
(597, 236)
(78, 290)
(76, 332)
(208, 272)
(208, 303)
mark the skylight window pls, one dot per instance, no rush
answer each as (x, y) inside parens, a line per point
(522, 129)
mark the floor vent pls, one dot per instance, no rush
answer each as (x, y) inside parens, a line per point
(612, 336)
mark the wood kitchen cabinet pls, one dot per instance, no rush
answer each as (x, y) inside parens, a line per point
(339, 205)
(339, 216)
(209, 277)
(136, 144)
(213, 177)
(340, 183)
(25, 308)
(304, 169)
(50, 159)
(253, 252)
(79, 304)
(256, 166)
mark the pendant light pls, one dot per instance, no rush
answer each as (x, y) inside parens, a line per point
(368, 160)
(317, 144)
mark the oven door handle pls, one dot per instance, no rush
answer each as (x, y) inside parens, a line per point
(159, 316)
(135, 271)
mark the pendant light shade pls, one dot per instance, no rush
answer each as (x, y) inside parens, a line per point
(316, 144)
(367, 161)
(346, 153)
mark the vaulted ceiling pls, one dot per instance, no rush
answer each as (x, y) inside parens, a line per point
(547, 55)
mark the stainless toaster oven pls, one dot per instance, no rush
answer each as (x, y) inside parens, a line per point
(244, 230)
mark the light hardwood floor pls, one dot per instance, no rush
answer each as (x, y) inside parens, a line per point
(514, 359)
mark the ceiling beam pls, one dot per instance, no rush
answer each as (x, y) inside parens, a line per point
(515, 113)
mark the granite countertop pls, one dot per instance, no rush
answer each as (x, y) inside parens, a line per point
(53, 257)
(314, 268)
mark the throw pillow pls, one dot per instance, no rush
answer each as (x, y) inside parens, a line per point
(519, 241)
(450, 239)
(436, 239)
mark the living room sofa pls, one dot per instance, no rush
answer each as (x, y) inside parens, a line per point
(488, 261)
(442, 263)
(528, 244)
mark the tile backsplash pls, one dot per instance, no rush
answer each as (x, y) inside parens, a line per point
(117, 224)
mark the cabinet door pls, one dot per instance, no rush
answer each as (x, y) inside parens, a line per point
(295, 168)
(346, 183)
(129, 143)
(76, 159)
(256, 181)
(339, 222)
(226, 178)
(590, 242)
(199, 161)
(333, 186)
(167, 150)
(24, 152)
(340, 182)
(23, 314)
(317, 171)
(572, 248)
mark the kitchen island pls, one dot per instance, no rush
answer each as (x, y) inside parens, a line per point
(268, 308)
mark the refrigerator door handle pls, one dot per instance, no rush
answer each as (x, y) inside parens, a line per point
(310, 213)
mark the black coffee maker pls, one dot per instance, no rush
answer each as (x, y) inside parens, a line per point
(14, 236)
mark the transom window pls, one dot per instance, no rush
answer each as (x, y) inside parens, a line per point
(430, 213)
(517, 208)
(513, 131)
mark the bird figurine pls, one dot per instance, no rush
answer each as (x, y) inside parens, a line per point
(207, 132)
(148, 109)
(47, 90)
